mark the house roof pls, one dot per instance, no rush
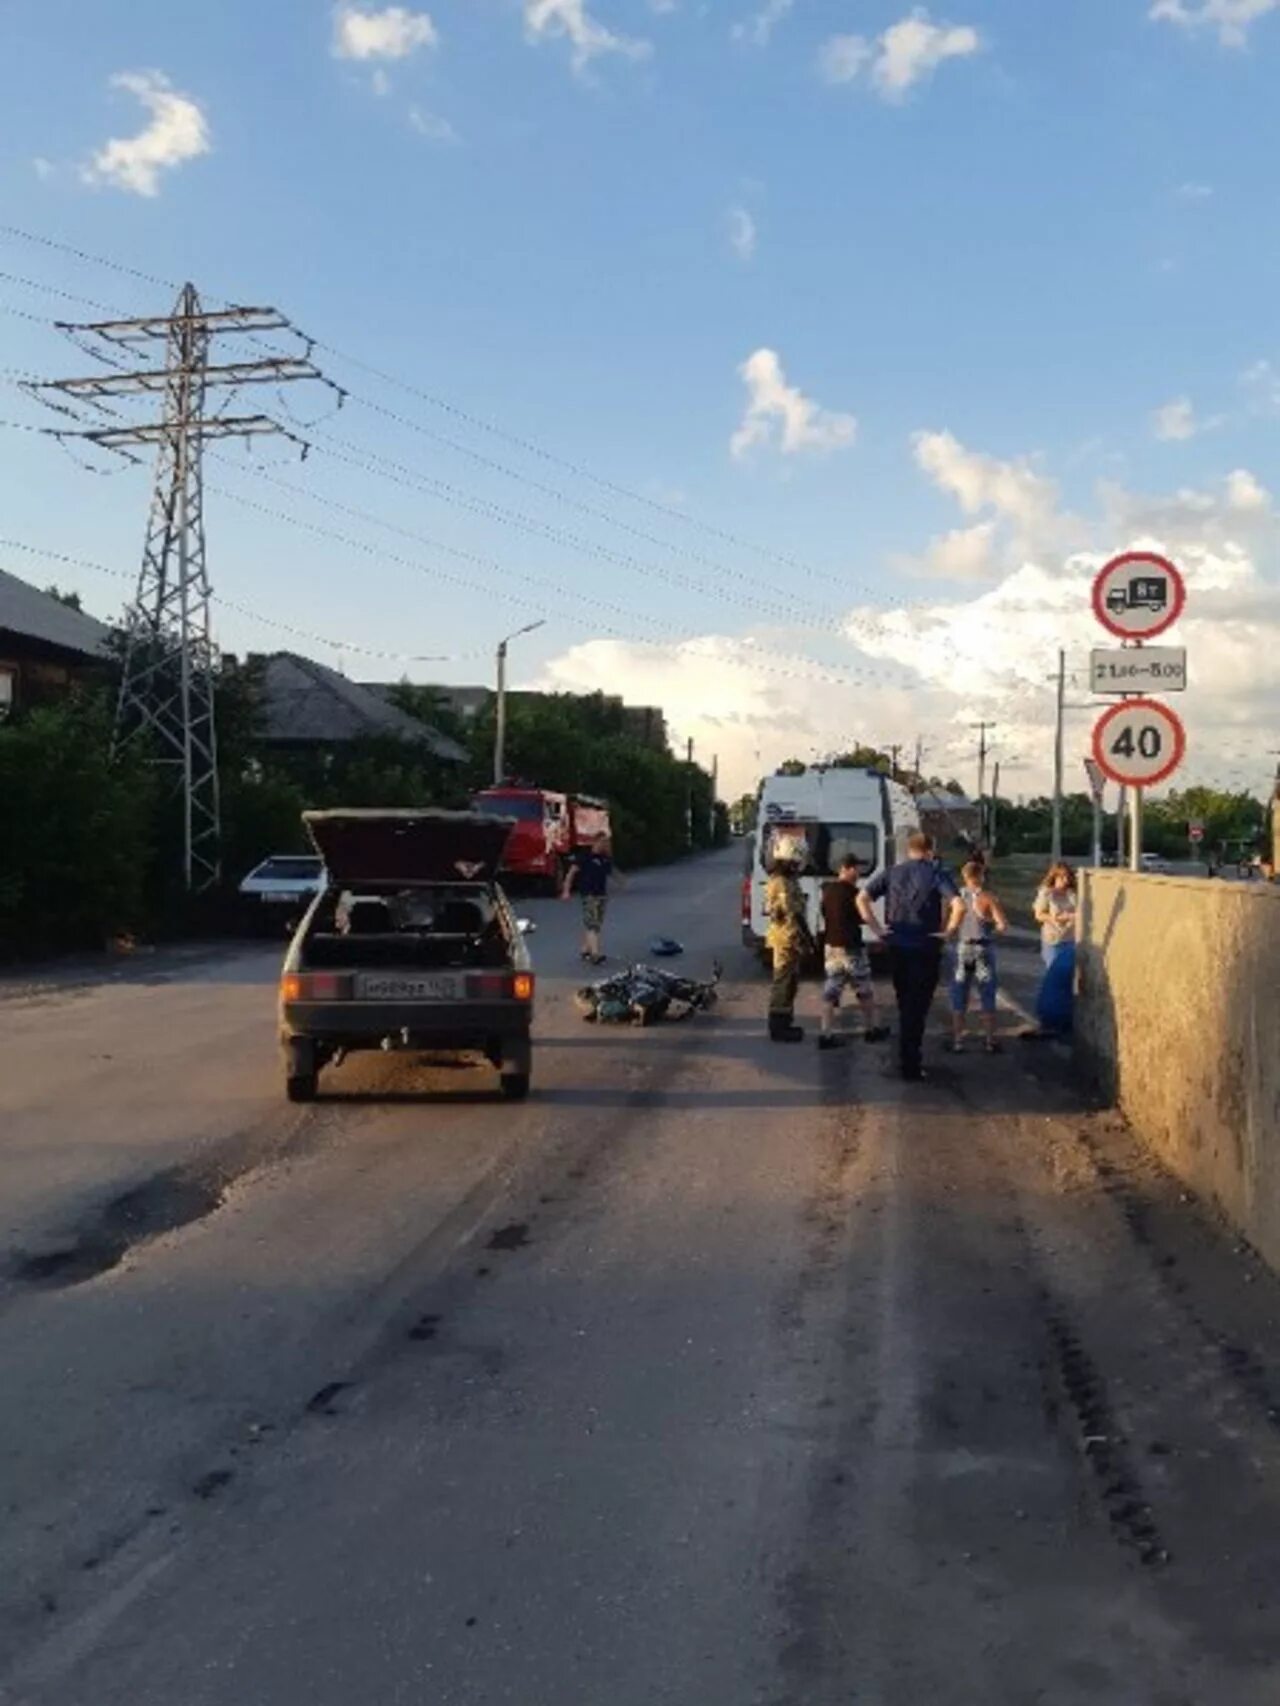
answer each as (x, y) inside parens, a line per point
(305, 702)
(34, 615)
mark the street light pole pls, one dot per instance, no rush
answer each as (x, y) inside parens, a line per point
(500, 723)
(1056, 853)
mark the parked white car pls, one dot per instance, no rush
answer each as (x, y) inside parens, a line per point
(1154, 864)
(283, 886)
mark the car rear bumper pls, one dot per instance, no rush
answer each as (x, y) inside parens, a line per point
(360, 1024)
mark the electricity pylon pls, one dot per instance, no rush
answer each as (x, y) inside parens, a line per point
(167, 679)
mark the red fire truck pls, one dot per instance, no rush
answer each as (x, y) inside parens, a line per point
(549, 828)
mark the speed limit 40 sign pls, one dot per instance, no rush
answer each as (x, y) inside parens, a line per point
(1139, 742)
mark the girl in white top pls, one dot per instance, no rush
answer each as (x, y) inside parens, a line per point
(1055, 910)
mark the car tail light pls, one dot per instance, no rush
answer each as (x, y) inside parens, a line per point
(500, 986)
(315, 986)
(746, 900)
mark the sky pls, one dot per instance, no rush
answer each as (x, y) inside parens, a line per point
(795, 363)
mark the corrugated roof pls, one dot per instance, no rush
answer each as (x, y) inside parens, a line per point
(306, 702)
(27, 611)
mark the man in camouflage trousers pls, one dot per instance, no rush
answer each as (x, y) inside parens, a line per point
(788, 937)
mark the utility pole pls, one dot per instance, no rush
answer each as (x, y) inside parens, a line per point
(990, 838)
(715, 791)
(167, 679)
(982, 775)
(688, 814)
(1056, 850)
(919, 761)
(893, 762)
(500, 712)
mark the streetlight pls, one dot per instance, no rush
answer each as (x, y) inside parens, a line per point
(500, 731)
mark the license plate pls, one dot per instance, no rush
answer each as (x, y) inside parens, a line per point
(280, 898)
(398, 988)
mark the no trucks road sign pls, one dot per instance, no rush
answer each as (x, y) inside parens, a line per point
(1138, 595)
(1139, 742)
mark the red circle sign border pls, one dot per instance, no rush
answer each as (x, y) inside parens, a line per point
(1179, 593)
(1179, 741)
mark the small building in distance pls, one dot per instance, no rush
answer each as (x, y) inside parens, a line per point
(46, 646)
(303, 705)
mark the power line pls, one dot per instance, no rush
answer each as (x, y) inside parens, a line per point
(833, 674)
(812, 669)
(222, 602)
(528, 446)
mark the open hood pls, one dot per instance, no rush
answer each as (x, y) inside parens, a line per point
(407, 846)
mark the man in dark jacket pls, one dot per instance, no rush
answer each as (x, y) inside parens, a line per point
(917, 893)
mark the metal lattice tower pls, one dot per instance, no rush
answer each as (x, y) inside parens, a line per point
(167, 681)
(168, 676)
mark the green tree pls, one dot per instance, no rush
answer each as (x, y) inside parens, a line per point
(76, 857)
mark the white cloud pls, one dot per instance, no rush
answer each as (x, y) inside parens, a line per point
(588, 37)
(757, 31)
(1192, 191)
(842, 58)
(1175, 420)
(987, 652)
(432, 126)
(964, 554)
(1232, 19)
(177, 131)
(743, 234)
(1014, 491)
(1246, 494)
(43, 169)
(904, 55)
(1236, 516)
(393, 33)
(1261, 385)
(779, 413)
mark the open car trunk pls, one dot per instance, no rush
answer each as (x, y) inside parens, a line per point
(406, 847)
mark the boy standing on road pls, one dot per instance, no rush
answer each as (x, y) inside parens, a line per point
(976, 915)
(589, 872)
(845, 959)
(914, 892)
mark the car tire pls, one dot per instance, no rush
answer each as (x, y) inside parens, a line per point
(301, 1086)
(515, 1085)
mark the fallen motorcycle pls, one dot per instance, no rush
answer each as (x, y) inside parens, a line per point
(645, 995)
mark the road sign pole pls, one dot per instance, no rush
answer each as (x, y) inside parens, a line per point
(1135, 829)
(1097, 832)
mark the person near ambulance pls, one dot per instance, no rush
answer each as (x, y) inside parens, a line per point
(915, 892)
(845, 961)
(976, 918)
(788, 938)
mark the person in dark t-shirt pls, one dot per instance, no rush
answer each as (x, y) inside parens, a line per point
(915, 892)
(589, 873)
(845, 959)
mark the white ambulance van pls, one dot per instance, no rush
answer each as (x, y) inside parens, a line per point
(834, 813)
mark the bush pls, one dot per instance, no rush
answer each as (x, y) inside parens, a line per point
(75, 850)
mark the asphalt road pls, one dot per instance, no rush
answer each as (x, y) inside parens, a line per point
(721, 1372)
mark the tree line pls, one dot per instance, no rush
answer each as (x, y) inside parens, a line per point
(92, 841)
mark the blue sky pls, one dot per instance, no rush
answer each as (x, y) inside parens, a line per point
(1064, 225)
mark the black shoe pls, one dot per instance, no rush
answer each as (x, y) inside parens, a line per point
(781, 1029)
(914, 1074)
(878, 1034)
(828, 1042)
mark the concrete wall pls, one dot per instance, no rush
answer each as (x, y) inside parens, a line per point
(1178, 1018)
